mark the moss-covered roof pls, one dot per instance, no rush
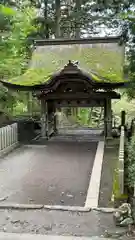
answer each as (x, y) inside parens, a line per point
(105, 59)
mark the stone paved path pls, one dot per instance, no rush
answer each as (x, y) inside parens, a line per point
(55, 174)
(93, 224)
(64, 223)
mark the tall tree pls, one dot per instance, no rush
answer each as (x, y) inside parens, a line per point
(78, 4)
(14, 46)
(46, 18)
(57, 18)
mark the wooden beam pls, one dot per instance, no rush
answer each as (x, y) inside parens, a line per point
(92, 40)
(72, 104)
(80, 96)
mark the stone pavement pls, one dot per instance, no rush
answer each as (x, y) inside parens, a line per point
(48, 174)
(50, 224)
(62, 223)
(12, 236)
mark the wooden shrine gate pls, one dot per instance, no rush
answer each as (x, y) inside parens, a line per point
(73, 88)
(70, 86)
(54, 165)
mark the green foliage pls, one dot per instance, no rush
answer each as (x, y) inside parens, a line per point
(13, 45)
(129, 18)
(6, 98)
(82, 117)
(131, 163)
(90, 117)
(124, 104)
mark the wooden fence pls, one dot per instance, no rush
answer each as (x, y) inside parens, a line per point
(121, 160)
(8, 138)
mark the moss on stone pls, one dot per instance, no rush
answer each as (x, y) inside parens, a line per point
(116, 189)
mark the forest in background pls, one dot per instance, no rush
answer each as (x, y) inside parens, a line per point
(21, 22)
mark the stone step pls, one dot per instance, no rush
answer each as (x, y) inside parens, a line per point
(76, 138)
(17, 236)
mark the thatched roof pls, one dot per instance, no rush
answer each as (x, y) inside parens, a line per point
(98, 59)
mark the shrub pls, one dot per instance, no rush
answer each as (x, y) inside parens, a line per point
(131, 163)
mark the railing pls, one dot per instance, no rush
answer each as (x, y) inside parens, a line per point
(8, 138)
(121, 160)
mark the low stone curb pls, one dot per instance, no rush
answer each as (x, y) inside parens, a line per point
(105, 210)
(9, 149)
(17, 236)
(68, 208)
(35, 146)
(20, 206)
(54, 207)
(94, 184)
(47, 207)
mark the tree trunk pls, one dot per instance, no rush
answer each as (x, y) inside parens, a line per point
(90, 116)
(46, 19)
(100, 117)
(77, 20)
(57, 18)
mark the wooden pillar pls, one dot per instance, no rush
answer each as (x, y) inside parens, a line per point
(123, 118)
(47, 120)
(55, 121)
(108, 118)
(29, 103)
(43, 119)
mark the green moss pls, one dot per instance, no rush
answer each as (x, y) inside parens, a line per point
(50, 59)
(116, 189)
(32, 77)
(95, 77)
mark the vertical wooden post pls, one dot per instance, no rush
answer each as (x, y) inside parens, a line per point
(55, 120)
(105, 119)
(108, 118)
(47, 121)
(123, 118)
(29, 103)
(43, 118)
